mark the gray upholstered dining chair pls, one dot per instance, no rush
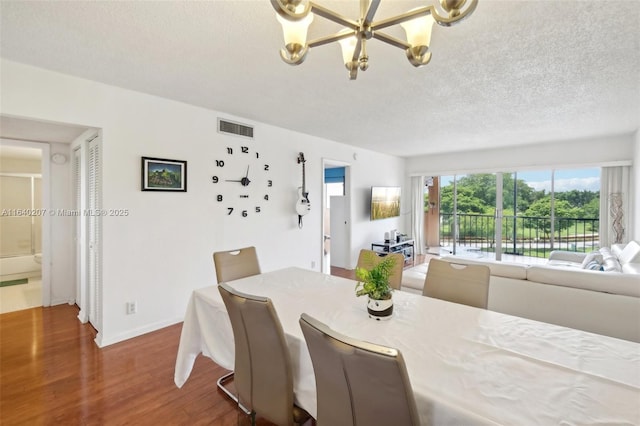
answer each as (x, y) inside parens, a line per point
(235, 264)
(263, 375)
(453, 282)
(357, 383)
(368, 259)
(232, 265)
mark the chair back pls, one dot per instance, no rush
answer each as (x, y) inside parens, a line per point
(235, 264)
(263, 376)
(453, 282)
(369, 258)
(357, 383)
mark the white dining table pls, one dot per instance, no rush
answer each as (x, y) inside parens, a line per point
(466, 365)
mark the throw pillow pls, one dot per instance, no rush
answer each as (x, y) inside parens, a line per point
(590, 257)
(594, 266)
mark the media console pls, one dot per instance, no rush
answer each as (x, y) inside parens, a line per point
(405, 247)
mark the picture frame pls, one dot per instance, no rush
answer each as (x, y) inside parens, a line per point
(161, 174)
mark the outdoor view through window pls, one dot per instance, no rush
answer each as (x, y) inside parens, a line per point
(537, 211)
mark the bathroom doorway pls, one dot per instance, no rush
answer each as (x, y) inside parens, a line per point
(21, 221)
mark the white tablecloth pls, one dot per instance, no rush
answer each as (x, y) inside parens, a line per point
(466, 365)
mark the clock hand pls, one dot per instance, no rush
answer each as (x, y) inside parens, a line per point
(244, 181)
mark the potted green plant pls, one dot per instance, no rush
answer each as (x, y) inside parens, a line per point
(374, 283)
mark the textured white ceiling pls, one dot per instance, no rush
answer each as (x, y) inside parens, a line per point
(515, 72)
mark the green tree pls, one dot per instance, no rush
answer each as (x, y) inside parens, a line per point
(542, 209)
(592, 209)
(467, 202)
(578, 198)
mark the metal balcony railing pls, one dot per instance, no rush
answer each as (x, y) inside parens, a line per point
(521, 235)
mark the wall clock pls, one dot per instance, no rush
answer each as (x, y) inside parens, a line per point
(242, 180)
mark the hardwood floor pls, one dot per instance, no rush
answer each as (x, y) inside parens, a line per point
(52, 372)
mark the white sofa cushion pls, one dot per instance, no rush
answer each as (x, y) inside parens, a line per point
(630, 253)
(517, 271)
(607, 282)
(631, 268)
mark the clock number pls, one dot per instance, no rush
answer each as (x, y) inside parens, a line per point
(219, 198)
(229, 150)
(230, 210)
(215, 179)
(269, 183)
(245, 149)
(257, 209)
(244, 213)
(266, 197)
(219, 163)
(266, 167)
(257, 155)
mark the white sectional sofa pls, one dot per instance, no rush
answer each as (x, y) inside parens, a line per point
(563, 292)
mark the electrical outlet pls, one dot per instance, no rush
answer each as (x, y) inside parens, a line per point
(132, 308)
(313, 264)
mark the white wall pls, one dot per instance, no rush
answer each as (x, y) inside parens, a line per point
(62, 244)
(161, 251)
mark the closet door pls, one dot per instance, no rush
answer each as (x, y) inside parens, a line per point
(94, 234)
(78, 235)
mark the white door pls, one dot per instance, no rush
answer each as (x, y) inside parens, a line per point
(94, 228)
(340, 232)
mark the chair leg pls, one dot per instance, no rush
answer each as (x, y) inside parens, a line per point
(221, 381)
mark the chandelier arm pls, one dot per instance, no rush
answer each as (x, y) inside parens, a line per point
(368, 14)
(391, 40)
(449, 21)
(333, 16)
(329, 39)
(426, 10)
(281, 9)
(395, 20)
(356, 52)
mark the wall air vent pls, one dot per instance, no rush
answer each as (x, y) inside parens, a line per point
(229, 127)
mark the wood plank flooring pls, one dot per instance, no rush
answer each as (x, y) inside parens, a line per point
(52, 373)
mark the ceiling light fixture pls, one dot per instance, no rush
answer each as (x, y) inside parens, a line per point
(296, 16)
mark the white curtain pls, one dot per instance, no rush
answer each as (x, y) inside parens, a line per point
(417, 213)
(616, 199)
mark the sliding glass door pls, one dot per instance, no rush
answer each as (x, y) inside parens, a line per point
(524, 213)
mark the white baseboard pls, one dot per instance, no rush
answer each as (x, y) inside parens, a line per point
(102, 340)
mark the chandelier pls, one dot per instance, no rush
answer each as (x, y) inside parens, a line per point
(296, 17)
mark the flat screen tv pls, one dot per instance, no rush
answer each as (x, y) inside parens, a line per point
(385, 202)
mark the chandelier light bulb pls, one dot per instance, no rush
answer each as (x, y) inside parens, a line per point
(419, 30)
(295, 32)
(348, 46)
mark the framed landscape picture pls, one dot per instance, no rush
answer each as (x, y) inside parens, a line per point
(164, 175)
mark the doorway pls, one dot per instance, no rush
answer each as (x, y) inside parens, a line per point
(24, 246)
(336, 214)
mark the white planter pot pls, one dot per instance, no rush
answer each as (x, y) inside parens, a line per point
(380, 310)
